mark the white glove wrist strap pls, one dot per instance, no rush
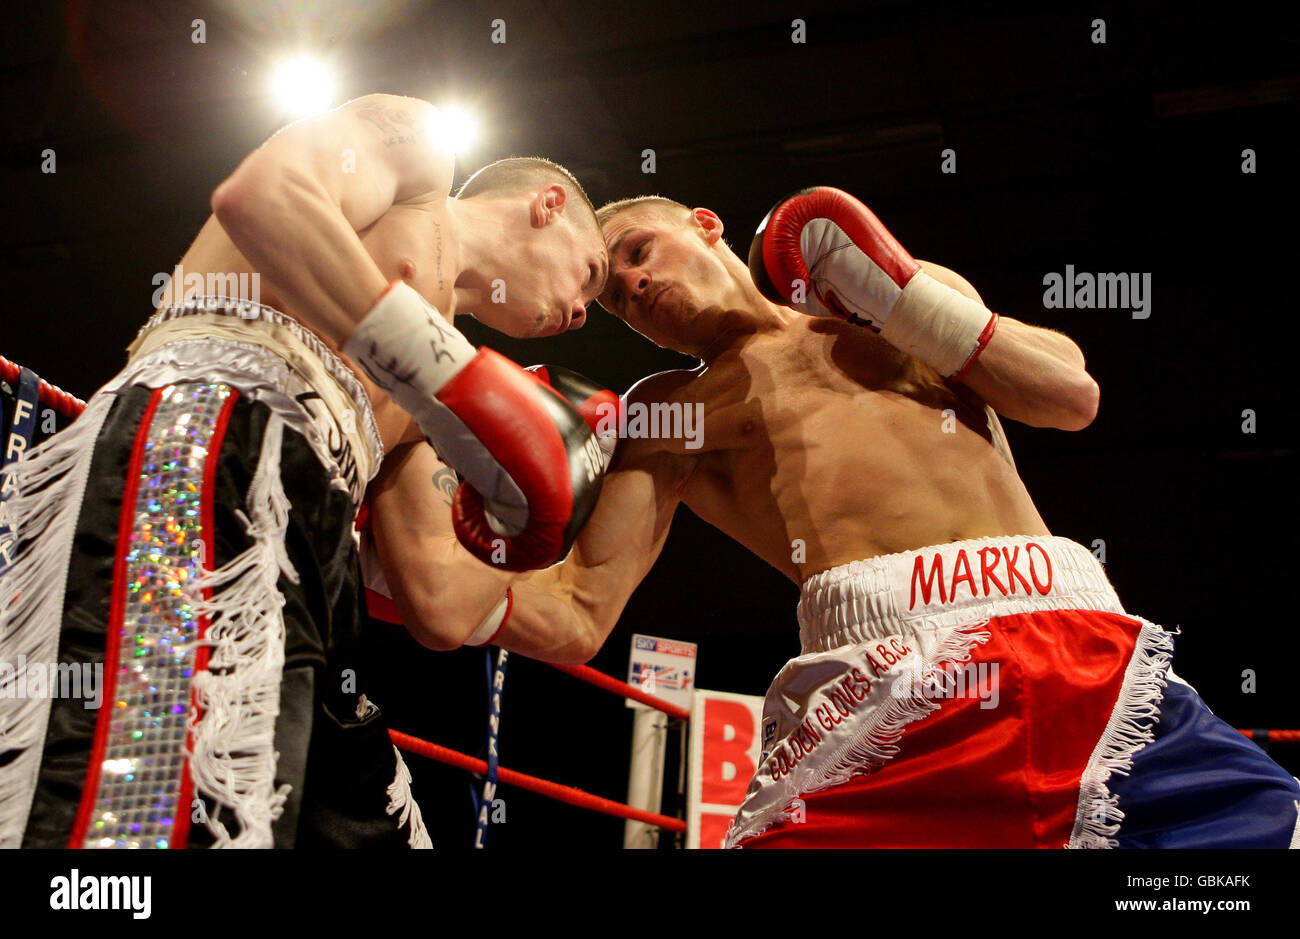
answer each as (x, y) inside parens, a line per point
(938, 325)
(494, 622)
(408, 349)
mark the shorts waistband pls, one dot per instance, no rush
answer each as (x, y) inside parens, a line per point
(948, 585)
(268, 354)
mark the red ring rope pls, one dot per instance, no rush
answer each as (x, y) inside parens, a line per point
(583, 800)
(601, 680)
(1276, 736)
(50, 396)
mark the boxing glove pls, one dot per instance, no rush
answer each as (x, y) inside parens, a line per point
(598, 406)
(824, 253)
(531, 466)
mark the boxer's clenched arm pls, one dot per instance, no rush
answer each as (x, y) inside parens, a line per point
(295, 205)
(441, 591)
(564, 614)
(1027, 373)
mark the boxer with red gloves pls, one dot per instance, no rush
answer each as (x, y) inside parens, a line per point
(858, 451)
(198, 516)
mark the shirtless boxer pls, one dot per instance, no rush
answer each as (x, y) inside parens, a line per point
(191, 533)
(837, 446)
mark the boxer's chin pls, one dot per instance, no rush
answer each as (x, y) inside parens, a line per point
(550, 326)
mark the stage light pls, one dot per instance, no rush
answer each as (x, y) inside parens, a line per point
(303, 86)
(453, 128)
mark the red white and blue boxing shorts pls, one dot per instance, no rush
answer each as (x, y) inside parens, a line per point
(994, 694)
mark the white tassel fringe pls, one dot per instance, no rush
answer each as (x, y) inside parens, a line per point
(1130, 728)
(401, 801)
(50, 483)
(234, 759)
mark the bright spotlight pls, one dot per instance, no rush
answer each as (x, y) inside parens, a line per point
(454, 128)
(303, 87)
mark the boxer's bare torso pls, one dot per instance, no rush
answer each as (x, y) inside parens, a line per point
(409, 241)
(823, 445)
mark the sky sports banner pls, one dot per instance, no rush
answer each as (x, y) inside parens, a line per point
(724, 751)
(664, 668)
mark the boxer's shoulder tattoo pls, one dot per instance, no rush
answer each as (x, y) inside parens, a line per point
(446, 482)
(397, 125)
(437, 249)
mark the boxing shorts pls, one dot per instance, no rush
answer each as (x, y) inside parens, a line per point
(179, 630)
(994, 694)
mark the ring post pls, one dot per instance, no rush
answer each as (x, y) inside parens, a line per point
(645, 776)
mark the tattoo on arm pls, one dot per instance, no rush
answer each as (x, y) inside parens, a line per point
(437, 261)
(446, 482)
(397, 125)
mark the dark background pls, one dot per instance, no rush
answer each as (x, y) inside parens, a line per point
(1119, 157)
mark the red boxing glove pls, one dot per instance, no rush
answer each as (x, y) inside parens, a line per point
(553, 458)
(519, 444)
(824, 253)
(598, 406)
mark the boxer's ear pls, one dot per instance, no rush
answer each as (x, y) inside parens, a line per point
(709, 223)
(547, 205)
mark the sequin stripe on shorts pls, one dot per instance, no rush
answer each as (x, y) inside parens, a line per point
(137, 786)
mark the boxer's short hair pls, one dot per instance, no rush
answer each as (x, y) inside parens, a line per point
(610, 209)
(519, 174)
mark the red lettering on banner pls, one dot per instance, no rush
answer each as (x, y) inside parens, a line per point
(811, 731)
(927, 584)
(783, 762)
(825, 717)
(851, 690)
(863, 680)
(668, 647)
(718, 716)
(1043, 589)
(797, 751)
(800, 743)
(1012, 573)
(842, 703)
(986, 570)
(962, 561)
(885, 654)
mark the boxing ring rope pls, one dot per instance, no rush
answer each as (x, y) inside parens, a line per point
(70, 407)
(601, 680)
(545, 787)
(553, 790)
(1272, 736)
(64, 404)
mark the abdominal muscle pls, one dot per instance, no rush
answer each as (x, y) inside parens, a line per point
(826, 471)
